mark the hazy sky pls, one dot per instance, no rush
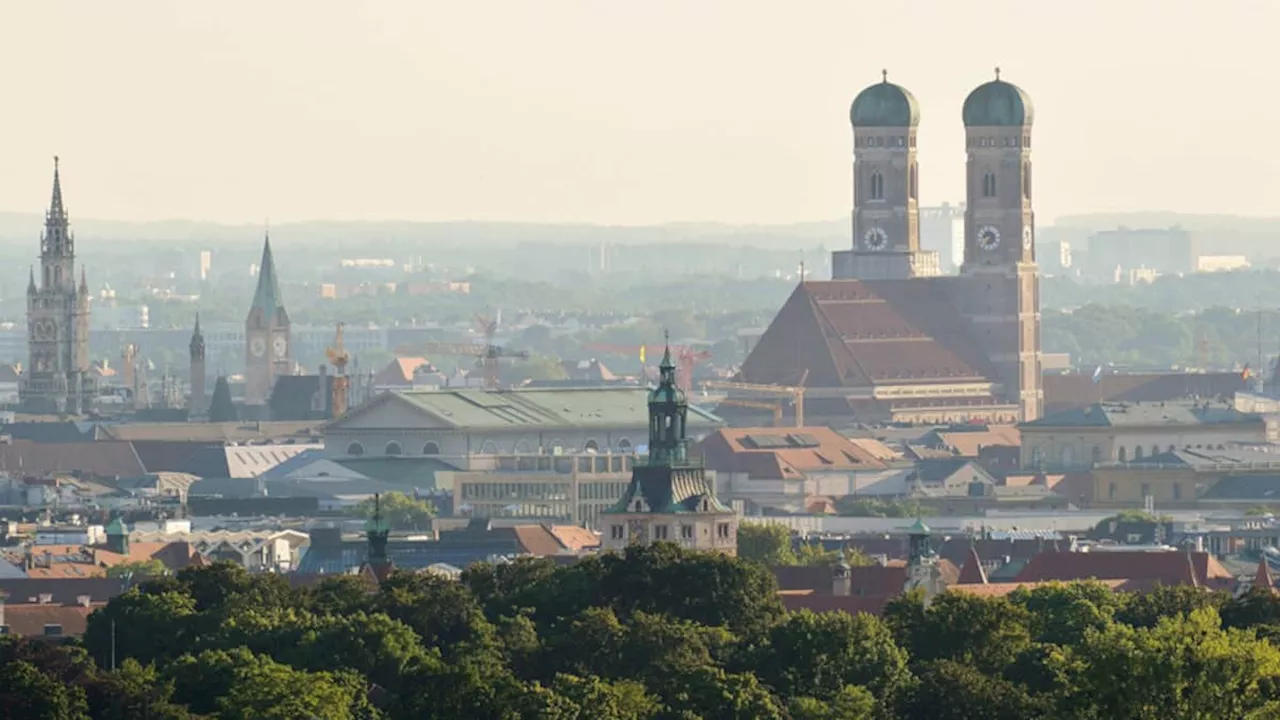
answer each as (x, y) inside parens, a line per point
(616, 111)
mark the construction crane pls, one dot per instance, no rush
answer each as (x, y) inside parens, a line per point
(338, 357)
(775, 407)
(487, 354)
(795, 392)
(686, 358)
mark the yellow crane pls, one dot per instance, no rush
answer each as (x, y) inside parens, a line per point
(338, 357)
(795, 392)
(775, 406)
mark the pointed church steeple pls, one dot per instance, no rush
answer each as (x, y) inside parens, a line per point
(31, 281)
(84, 282)
(55, 204)
(197, 341)
(57, 234)
(267, 297)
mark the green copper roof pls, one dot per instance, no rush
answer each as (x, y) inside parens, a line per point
(998, 103)
(885, 105)
(918, 528)
(667, 391)
(668, 490)
(267, 296)
(116, 527)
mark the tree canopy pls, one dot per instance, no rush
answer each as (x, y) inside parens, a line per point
(649, 634)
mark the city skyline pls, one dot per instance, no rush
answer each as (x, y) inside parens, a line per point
(610, 114)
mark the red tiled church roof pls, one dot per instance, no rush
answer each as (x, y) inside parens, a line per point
(849, 333)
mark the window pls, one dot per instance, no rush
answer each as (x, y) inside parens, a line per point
(1026, 180)
(1146, 489)
(431, 449)
(1155, 450)
(615, 532)
(989, 185)
(686, 532)
(393, 448)
(659, 532)
(1137, 453)
(1177, 491)
(355, 448)
(877, 185)
(489, 447)
(912, 183)
(53, 630)
(624, 444)
(591, 446)
(1111, 491)
(1123, 455)
(1097, 454)
(722, 530)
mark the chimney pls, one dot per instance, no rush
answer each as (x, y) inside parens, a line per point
(83, 600)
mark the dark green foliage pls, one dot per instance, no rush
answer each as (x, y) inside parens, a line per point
(653, 634)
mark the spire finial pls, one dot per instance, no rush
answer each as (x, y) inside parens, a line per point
(884, 75)
(997, 72)
(55, 163)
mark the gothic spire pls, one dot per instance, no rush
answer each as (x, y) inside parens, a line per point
(57, 234)
(84, 282)
(267, 296)
(666, 368)
(31, 281)
(55, 204)
(197, 341)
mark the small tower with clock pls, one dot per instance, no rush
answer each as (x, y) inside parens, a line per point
(268, 348)
(1002, 291)
(886, 179)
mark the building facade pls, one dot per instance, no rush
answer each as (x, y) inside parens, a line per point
(670, 498)
(268, 345)
(57, 377)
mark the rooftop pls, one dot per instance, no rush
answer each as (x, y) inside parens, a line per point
(481, 409)
(1111, 414)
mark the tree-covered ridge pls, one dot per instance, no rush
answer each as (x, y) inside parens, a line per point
(655, 633)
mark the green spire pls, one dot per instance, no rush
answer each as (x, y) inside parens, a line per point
(668, 413)
(918, 528)
(377, 532)
(267, 297)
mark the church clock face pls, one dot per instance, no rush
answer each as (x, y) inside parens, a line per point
(280, 346)
(876, 238)
(988, 237)
(258, 347)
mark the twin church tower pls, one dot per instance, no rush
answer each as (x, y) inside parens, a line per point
(999, 223)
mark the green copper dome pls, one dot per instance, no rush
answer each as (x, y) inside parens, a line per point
(885, 105)
(998, 103)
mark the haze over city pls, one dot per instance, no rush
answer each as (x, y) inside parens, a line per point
(616, 113)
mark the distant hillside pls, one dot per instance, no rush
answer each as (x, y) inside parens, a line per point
(22, 227)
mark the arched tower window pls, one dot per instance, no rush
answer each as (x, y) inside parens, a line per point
(431, 449)
(393, 448)
(989, 185)
(1026, 180)
(355, 448)
(911, 184)
(877, 185)
(1137, 452)
(1124, 454)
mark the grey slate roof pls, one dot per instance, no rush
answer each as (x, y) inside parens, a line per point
(669, 490)
(1264, 488)
(1144, 414)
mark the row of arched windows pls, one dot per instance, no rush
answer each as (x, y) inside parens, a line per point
(877, 185)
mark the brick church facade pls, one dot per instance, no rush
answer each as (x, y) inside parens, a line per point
(888, 338)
